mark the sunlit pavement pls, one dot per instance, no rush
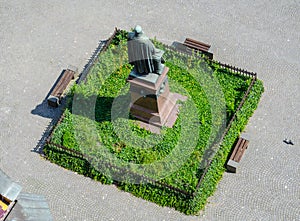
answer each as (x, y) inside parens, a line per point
(38, 39)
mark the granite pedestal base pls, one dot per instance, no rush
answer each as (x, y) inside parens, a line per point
(151, 100)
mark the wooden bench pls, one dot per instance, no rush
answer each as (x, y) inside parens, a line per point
(198, 46)
(237, 154)
(60, 86)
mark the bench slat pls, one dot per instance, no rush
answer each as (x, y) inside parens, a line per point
(235, 150)
(241, 150)
(197, 42)
(199, 46)
(63, 83)
(193, 45)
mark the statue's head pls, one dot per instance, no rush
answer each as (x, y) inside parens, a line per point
(138, 30)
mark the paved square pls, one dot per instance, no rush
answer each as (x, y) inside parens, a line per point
(38, 39)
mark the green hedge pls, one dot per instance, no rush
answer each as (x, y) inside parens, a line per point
(73, 163)
(105, 89)
(216, 169)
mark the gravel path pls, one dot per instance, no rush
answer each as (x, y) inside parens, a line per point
(38, 39)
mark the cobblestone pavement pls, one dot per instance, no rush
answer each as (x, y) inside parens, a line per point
(38, 39)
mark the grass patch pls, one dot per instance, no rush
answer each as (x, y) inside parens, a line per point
(97, 126)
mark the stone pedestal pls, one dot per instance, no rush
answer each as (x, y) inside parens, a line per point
(151, 100)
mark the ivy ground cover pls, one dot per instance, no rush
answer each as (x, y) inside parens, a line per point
(108, 145)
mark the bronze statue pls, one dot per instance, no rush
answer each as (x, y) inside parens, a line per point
(142, 53)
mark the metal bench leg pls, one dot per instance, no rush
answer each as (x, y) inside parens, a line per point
(232, 165)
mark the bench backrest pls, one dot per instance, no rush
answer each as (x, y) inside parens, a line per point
(63, 82)
(196, 44)
(239, 149)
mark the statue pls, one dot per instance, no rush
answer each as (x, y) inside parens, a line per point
(142, 53)
(151, 103)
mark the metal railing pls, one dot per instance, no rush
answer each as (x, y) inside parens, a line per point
(103, 45)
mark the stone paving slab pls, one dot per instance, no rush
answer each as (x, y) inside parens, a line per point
(38, 39)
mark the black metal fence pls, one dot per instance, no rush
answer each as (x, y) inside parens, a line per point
(103, 45)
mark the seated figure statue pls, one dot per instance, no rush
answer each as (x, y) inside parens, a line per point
(142, 53)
